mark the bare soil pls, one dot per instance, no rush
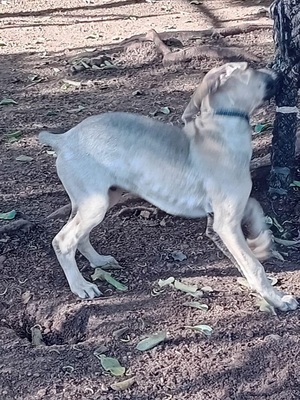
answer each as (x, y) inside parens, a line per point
(251, 354)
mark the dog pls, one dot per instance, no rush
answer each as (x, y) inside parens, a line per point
(197, 171)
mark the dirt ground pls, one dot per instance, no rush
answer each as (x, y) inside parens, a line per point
(250, 354)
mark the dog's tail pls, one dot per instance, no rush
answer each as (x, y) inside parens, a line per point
(51, 139)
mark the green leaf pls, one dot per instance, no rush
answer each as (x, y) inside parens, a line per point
(6, 102)
(184, 287)
(259, 128)
(111, 365)
(165, 110)
(24, 158)
(166, 282)
(295, 183)
(276, 254)
(196, 304)
(152, 341)
(104, 275)
(205, 329)
(278, 226)
(287, 243)
(13, 136)
(123, 385)
(178, 255)
(8, 215)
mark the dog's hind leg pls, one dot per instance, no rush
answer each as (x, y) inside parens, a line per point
(85, 247)
(259, 237)
(90, 212)
(227, 224)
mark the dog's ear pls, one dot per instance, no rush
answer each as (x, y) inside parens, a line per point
(210, 84)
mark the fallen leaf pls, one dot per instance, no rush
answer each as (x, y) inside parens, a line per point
(51, 153)
(268, 221)
(184, 287)
(6, 102)
(273, 280)
(196, 304)
(120, 332)
(278, 226)
(178, 255)
(112, 365)
(100, 350)
(34, 78)
(109, 65)
(243, 282)
(287, 243)
(13, 136)
(8, 215)
(36, 336)
(2, 44)
(165, 110)
(152, 341)
(259, 128)
(145, 214)
(276, 254)
(123, 385)
(264, 306)
(205, 329)
(196, 2)
(76, 110)
(295, 183)
(104, 275)
(69, 82)
(26, 296)
(24, 158)
(196, 294)
(207, 289)
(165, 282)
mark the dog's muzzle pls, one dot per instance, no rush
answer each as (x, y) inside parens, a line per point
(271, 83)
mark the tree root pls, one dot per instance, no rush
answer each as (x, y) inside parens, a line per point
(188, 53)
(193, 35)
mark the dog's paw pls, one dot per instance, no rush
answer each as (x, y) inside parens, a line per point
(289, 303)
(85, 289)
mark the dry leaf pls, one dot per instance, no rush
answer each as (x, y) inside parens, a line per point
(26, 296)
(123, 385)
(152, 341)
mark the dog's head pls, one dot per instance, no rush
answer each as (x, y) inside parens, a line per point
(232, 86)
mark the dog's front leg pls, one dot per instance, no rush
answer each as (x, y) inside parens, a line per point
(228, 226)
(212, 235)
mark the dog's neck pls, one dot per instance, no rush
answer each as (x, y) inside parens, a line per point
(232, 113)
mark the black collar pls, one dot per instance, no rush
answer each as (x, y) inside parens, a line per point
(232, 113)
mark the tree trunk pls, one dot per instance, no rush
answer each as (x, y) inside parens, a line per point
(286, 15)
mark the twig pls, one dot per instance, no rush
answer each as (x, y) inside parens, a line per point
(23, 224)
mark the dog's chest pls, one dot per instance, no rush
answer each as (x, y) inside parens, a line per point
(179, 194)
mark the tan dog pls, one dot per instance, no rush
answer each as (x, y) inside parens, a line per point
(193, 172)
